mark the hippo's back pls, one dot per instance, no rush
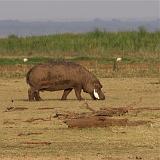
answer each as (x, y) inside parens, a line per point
(55, 76)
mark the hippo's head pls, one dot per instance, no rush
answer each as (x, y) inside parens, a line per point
(94, 89)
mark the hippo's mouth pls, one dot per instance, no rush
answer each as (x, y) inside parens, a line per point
(98, 96)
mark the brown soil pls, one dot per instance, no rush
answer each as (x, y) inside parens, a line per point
(37, 143)
(28, 134)
(146, 108)
(111, 142)
(45, 108)
(38, 119)
(109, 112)
(112, 111)
(101, 121)
(100, 118)
(7, 122)
(10, 109)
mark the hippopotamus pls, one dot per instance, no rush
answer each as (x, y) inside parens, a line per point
(65, 76)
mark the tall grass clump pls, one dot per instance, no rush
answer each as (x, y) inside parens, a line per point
(96, 43)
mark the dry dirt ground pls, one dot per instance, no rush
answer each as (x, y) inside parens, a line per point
(29, 130)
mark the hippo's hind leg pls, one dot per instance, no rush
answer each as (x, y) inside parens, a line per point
(78, 90)
(31, 94)
(37, 96)
(65, 93)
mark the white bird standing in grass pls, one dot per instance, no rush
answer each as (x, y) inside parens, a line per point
(115, 65)
(96, 94)
(118, 59)
(25, 59)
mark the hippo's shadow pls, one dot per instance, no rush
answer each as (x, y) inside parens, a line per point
(52, 99)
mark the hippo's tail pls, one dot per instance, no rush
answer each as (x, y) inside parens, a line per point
(27, 76)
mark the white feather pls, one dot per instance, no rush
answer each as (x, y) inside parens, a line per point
(96, 94)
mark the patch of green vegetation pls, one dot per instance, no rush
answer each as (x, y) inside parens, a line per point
(14, 61)
(100, 60)
(12, 74)
(98, 43)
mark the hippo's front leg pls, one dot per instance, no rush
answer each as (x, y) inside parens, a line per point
(65, 93)
(78, 90)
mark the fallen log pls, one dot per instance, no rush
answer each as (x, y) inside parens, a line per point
(100, 118)
(101, 122)
(109, 112)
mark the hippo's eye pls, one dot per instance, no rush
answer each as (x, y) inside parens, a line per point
(99, 86)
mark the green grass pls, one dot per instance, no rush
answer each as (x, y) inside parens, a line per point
(14, 61)
(140, 52)
(100, 60)
(97, 43)
(101, 67)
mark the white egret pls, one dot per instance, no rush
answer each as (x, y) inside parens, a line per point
(25, 59)
(118, 59)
